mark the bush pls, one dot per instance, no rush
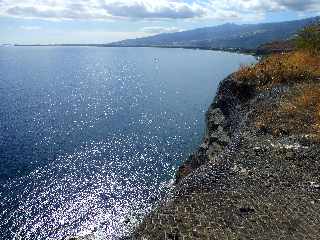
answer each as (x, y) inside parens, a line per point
(281, 68)
(309, 39)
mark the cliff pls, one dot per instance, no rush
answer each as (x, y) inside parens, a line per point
(256, 174)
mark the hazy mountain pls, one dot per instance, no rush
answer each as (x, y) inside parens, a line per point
(248, 36)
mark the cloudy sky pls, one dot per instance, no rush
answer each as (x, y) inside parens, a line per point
(102, 21)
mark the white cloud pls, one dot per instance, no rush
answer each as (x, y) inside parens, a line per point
(299, 5)
(151, 9)
(101, 9)
(54, 9)
(266, 6)
(156, 30)
(154, 9)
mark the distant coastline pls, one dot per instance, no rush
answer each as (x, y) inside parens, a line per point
(233, 50)
(253, 39)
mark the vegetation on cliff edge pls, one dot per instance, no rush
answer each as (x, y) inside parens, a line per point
(298, 66)
(298, 112)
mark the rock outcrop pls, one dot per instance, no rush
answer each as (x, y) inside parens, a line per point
(255, 176)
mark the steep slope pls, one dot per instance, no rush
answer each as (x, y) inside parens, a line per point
(256, 174)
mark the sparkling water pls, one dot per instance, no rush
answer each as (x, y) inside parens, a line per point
(90, 137)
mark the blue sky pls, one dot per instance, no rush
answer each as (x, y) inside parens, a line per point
(103, 21)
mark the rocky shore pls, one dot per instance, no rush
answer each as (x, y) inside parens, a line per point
(256, 174)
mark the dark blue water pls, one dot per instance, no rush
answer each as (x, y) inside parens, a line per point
(90, 137)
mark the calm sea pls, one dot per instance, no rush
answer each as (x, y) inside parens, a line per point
(90, 137)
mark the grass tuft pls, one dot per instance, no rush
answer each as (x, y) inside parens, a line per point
(296, 67)
(298, 113)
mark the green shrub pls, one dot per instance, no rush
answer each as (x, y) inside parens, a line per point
(309, 39)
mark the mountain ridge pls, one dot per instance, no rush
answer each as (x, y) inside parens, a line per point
(226, 36)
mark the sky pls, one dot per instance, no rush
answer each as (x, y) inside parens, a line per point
(104, 21)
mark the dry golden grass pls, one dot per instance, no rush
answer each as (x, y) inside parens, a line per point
(305, 105)
(281, 68)
(296, 113)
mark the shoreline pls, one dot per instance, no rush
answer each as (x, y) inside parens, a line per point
(249, 178)
(253, 52)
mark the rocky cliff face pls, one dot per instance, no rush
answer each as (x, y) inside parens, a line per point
(222, 121)
(255, 176)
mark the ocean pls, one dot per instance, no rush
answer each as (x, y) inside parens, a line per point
(90, 137)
